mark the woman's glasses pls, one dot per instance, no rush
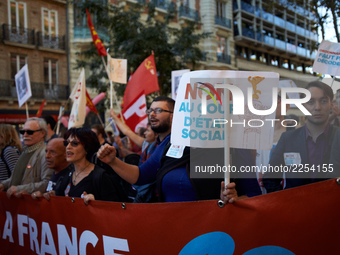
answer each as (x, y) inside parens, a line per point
(73, 143)
(28, 131)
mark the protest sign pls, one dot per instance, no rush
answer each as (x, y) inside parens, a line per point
(23, 85)
(256, 92)
(327, 59)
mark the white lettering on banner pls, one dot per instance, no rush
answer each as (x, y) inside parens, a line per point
(64, 240)
(47, 243)
(21, 228)
(85, 238)
(112, 243)
(140, 105)
(8, 227)
(28, 226)
(33, 233)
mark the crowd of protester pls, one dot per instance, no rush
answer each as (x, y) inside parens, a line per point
(92, 164)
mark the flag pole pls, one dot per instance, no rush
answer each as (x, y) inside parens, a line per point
(226, 137)
(61, 113)
(27, 115)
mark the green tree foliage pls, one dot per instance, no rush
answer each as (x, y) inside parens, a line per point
(135, 33)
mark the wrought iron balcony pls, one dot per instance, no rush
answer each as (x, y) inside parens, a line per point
(18, 35)
(51, 42)
(224, 22)
(186, 12)
(39, 90)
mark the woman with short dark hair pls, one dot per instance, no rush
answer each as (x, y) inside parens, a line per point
(86, 179)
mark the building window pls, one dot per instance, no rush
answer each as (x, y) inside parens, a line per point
(80, 19)
(17, 62)
(222, 48)
(220, 9)
(274, 61)
(285, 64)
(49, 23)
(17, 14)
(50, 71)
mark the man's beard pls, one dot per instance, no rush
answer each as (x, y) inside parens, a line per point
(162, 127)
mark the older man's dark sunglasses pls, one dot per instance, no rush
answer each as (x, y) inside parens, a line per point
(73, 143)
(28, 131)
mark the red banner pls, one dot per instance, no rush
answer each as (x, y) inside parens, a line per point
(302, 220)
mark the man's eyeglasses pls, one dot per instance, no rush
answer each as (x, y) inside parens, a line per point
(28, 131)
(73, 143)
(156, 111)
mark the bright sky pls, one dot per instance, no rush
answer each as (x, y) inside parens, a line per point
(330, 34)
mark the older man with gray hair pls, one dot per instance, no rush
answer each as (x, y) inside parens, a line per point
(30, 172)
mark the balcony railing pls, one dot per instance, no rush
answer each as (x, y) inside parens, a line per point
(223, 58)
(39, 90)
(18, 34)
(51, 42)
(291, 47)
(248, 33)
(267, 16)
(247, 7)
(161, 4)
(186, 12)
(221, 21)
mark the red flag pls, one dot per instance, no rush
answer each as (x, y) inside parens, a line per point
(134, 113)
(97, 42)
(144, 79)
(39, 112)
(89, 103)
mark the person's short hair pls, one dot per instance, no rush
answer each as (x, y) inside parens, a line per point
(87, 137)
(100, 129)
(327, 90)
(50, 120)
(141, 131)
(42, 124)
(9, 137)
(170, 102)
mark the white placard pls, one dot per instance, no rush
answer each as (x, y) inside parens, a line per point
(191, 127)
(23, 85)
(327, 59)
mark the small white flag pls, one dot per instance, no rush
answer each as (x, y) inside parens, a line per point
(78, 96)
(117, 69)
